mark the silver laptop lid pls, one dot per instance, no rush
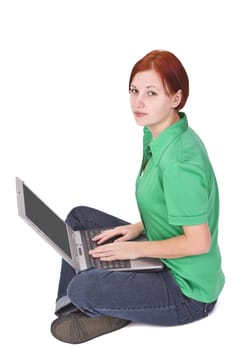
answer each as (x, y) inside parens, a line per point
(43, 220)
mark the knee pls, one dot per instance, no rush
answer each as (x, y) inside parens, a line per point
(76, 211)
(82, 290)
(79, 287)
(77, 217)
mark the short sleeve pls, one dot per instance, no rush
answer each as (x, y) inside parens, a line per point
(186, 194)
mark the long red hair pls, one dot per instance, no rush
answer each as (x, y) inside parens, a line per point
(170, 70)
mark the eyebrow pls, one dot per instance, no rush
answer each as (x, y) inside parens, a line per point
(152, 86)
(147, 87)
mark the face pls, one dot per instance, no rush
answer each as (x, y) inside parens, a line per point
(150, 104)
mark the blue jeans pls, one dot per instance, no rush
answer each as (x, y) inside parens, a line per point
(147, 297)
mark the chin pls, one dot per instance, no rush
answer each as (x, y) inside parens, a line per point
(140, 122)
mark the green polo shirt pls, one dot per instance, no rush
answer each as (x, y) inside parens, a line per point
(177, 188)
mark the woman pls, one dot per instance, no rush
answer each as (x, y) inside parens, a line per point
(178, 201)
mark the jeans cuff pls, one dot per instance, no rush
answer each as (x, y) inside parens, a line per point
(62, 302)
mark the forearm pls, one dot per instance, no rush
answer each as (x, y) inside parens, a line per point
(139, 227)
(175, 247)
(194, 241)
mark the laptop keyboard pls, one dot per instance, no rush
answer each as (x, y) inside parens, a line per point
(97, 263)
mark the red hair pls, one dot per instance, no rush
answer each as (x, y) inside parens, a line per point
(170, 70)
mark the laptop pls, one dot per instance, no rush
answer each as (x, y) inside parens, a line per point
(73, 246)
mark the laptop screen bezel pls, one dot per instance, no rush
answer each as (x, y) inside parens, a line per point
(22, 213)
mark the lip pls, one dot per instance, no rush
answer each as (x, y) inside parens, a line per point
(139, 114)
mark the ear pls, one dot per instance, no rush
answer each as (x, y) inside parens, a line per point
(177, 97)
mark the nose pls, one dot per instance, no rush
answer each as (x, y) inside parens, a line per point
(139, 103)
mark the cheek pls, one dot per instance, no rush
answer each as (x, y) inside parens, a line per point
(131, 102)
(156, 107)
(161, 107)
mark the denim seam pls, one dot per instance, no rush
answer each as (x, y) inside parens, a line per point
(193, 316)
(164, 308)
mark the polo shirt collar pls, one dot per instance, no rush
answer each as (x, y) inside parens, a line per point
(159, 145)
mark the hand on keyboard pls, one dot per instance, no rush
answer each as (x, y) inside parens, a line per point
(119, 234)
(96, 262)
(117, 251)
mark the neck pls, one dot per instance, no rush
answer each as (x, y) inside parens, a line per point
(157, 129)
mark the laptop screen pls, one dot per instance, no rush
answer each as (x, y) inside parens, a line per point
(46, 220)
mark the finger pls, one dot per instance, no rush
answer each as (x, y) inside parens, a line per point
(121, 239)
(99, 236)
(104, 239)
(109, 258)
(101, 255)
(107, 255)
(101, 250)
(106, 235)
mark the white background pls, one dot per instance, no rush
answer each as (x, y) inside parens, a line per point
(67, 130)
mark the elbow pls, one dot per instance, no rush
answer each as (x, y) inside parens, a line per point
(199, 238)
(207, 243)
(203, 248)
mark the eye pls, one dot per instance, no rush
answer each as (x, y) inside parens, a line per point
(151, 93)
(133, 91)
